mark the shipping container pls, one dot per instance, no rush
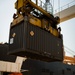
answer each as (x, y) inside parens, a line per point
(34, 42)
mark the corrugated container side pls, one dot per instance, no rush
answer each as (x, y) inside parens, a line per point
(43, 42)
(16, 41)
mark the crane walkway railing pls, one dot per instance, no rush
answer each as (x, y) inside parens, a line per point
(45, 6)
(65, 6)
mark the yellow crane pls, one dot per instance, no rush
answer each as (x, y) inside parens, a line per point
(35, 14)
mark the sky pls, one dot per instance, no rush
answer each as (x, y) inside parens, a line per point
(68, 28)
